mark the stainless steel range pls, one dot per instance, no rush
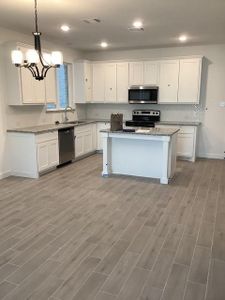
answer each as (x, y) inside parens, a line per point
(144, 118)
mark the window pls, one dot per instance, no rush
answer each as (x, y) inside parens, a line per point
(63, 90)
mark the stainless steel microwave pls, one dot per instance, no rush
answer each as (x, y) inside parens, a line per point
(143, 94)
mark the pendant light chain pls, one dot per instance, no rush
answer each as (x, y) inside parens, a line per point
(36, 15)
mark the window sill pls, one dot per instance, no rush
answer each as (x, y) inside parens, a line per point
(57, 110)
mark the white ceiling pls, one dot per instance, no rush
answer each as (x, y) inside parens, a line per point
(164, 20)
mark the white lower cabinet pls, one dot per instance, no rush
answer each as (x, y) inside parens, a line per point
(186, 141)
(101, 126)
(47, 151)
(85, 139)
(32, 154)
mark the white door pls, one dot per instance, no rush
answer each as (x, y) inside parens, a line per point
(122, 82)
(88, 81)
(168, 81)
(50, 86)
(79, 144)
(136, 73)
(42, 155)
(88, 143)
(53, 153)
(189, 80)
(110, 82)
(185, 145)
(27, 88)
(98, 83)
(151, 73)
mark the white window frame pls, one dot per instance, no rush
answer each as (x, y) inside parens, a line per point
(70, 90)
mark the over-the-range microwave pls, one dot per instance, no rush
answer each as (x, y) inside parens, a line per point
(143, 94)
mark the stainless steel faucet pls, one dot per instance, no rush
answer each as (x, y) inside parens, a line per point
(67, 108)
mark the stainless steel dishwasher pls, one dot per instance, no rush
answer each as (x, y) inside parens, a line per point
(66, 145)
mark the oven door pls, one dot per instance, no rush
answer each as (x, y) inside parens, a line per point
(143, 95)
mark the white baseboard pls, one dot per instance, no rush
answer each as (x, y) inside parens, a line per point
(211, 155)
(5, 174)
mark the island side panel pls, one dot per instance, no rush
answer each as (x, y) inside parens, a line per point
(173, 155)
(23, 157)
(106, 142)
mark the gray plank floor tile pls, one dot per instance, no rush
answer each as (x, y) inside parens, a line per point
(132, 288)
(218, 249)
(216, 286)
(185, 251)
(104, 296)
(6, 288)
(91, 287)
(69, 287)
(200, 265)
(206, 235)
(151, 293)
(112, 258)
(195, 291)
(161, 269)
(120, 273)
(6, 270)
(176, 283)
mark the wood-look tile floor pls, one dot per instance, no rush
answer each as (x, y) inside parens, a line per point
(75, 235)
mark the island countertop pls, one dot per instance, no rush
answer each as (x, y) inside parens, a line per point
(149, 131)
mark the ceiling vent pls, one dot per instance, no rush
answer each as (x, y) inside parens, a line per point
(135, 29)
(92, 21)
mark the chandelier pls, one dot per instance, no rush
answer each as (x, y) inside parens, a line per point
(35, 61)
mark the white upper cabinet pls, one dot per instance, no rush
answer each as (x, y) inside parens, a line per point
(136, 73)
(189, 80)
(22, 87)
(83, 82)
(168, 81)
(98, 89)
(179, 80)
(110, 82)
(122, 82)
(151, 73)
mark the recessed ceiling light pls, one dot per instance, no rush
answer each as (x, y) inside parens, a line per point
(65, 28)
(138, 24)
(183, 38)
(104, 44)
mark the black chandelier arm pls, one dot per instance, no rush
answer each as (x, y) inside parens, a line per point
(37, 71)
(31, 70)
(45, 70)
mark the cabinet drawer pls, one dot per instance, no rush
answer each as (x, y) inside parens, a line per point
(83, 128)
(44, 137)
(186, 129)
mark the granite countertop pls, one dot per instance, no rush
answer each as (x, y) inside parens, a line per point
(179, 123)
(49, 127)
(149, 131)
(53, 127)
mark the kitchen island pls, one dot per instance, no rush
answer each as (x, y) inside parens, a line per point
(144, 152)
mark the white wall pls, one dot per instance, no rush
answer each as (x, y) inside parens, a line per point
(11, 117)
(211, 142)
